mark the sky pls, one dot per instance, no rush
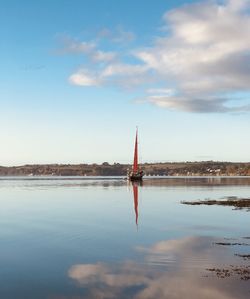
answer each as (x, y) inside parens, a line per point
(78, 76)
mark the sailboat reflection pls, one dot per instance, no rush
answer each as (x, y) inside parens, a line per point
(136, 199)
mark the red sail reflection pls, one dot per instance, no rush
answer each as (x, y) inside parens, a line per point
(135, 191)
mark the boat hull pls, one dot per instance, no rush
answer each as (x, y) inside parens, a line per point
(135, 176)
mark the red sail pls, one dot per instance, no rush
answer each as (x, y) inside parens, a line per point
(135, 165)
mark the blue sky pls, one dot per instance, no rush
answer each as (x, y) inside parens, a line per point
(77, 77)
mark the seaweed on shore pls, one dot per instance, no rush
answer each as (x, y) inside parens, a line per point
(244, 256)
(231, 244)
(242, 271)
(237, 203)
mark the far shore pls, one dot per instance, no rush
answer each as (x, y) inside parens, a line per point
(173, 169)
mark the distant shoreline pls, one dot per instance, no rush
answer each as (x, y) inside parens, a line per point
(190, 169)
(109, 177)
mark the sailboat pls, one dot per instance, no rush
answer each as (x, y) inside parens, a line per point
(135, 174)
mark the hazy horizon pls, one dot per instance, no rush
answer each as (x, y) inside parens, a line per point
(124, 163)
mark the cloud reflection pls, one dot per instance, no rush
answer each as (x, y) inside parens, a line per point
(170, 269)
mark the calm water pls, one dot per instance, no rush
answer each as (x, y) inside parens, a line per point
(67, 238)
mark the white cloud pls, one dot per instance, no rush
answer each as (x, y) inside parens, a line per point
(124, 69)
(101, 56)
(71, 45)
(89, 49)
(84, 78)
(200, 64)
(203, 105)
(113, 74)
(207, 55)
(164, 91)
(123, 36)
(117, 35)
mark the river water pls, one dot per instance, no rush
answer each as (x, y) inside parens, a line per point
(74, 238)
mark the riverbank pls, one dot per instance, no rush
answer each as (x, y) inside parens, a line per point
(204, 168)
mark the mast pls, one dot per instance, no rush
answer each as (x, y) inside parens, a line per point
(135, 165)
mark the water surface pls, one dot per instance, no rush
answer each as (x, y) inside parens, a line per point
(73, 238)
